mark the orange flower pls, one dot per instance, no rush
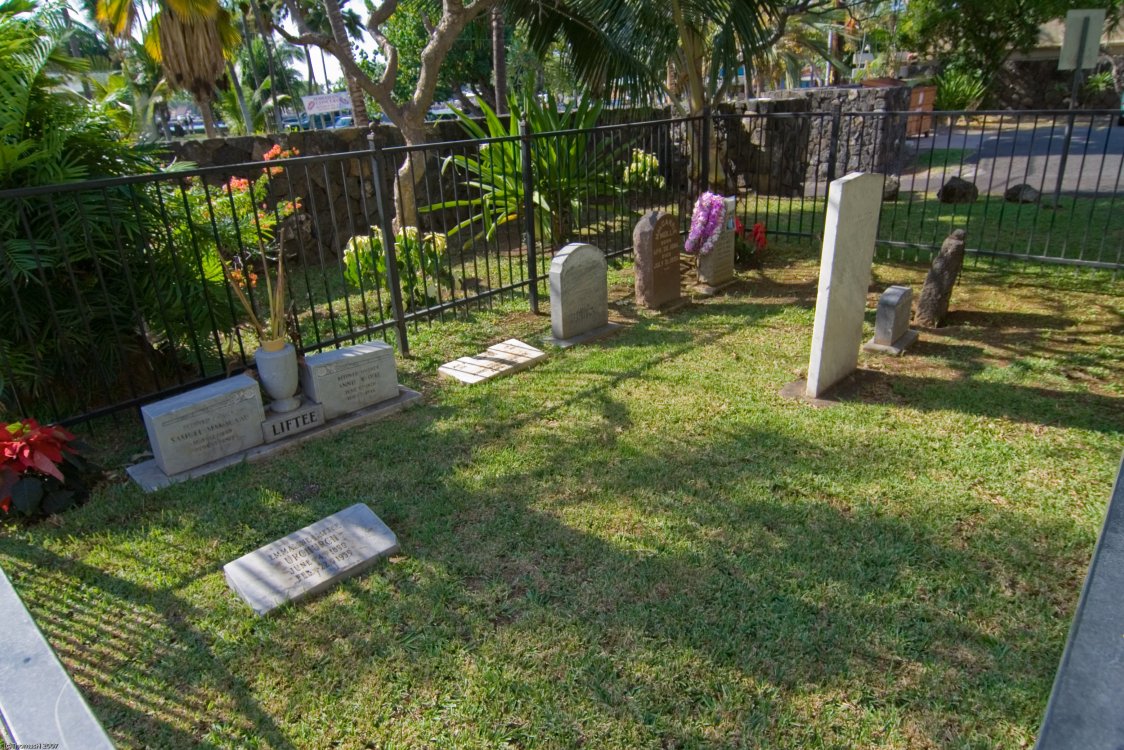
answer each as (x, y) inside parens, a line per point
(238, 183)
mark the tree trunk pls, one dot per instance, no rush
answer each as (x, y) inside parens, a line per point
(268, 42)
(204, 104)
(410, 173)
(499, 60)
(313, 88)
(247, 119)
(359, 114)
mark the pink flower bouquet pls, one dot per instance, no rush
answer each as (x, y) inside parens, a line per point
(706, 224)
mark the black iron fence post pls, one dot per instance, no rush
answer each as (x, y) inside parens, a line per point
(704, 147)
(387, 229)
(529, 214)
(833, 142)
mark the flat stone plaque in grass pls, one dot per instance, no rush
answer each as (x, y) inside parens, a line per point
(311, 560)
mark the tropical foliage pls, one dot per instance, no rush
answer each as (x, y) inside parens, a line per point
(67, 256)
(420, 259)
(569, 167)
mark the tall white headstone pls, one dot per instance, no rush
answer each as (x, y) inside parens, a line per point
(853, 206)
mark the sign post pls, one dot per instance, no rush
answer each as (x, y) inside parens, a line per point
(1080, 47)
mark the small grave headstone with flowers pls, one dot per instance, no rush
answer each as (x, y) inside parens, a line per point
(711, 238)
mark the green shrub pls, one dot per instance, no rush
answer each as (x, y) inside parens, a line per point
(420, 260)
(642, 172)
(959, 90)
(70, 321)
(567, 169)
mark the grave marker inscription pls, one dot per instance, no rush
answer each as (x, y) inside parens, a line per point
(312, 559)
(657, 245)
(351, 378)
(204, 424)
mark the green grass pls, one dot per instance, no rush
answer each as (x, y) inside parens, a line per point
(636, 544)
(1089, 229)
(943, 157)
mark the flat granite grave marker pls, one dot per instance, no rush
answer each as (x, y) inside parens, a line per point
(205, 424)
(309, 561)
(716, 269)
(579, 295)
(891, 325)
(853, 206)
(504, 358)
(350, 378)
(656, 245)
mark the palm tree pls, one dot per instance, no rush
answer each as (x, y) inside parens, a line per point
(188, 38)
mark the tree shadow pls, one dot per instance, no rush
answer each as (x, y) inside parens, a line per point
(624, 568)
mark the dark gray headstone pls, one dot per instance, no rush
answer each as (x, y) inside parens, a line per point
(656, 245)
(310, 560)
(579, 291)
(935, 295)
(205, 424)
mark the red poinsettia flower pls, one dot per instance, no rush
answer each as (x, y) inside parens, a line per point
(739, 228)
(27, 447)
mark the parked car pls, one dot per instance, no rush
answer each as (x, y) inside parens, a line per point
(343, 121)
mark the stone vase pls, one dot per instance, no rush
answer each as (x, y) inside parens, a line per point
(277, 371)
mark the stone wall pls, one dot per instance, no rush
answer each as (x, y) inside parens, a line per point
(337, 194)
(1038, 84)
(792, 156)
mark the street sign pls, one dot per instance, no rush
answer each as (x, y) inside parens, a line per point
(317, 104)
(1082, 43)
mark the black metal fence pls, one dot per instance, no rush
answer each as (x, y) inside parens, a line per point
(118, 294)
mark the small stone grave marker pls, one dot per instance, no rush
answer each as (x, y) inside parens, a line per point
(351, 378)
(892, 334)
(205, 424)
(309, 561)
(579, 295)
(656, 245)
(715, 269)
(504, 358)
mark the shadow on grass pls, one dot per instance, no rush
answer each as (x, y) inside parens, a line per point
(570, 579)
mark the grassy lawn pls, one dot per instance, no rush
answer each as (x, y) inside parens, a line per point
(942, 157)
(636, 544)
(1080, 228)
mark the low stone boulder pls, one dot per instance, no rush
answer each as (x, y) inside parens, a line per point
(1021, 194)
(935, 295)
(890, 188)
(958, 190)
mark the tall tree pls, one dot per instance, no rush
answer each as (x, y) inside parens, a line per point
(978, 36)
(409, 116)
(188, 38)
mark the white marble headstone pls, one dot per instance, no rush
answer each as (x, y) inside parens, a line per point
(312, 559)
(853, 206)
(205, 424)
(579, 291)
(716, 268)
(351, 378)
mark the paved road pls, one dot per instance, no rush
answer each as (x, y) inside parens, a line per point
(1000, 158)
